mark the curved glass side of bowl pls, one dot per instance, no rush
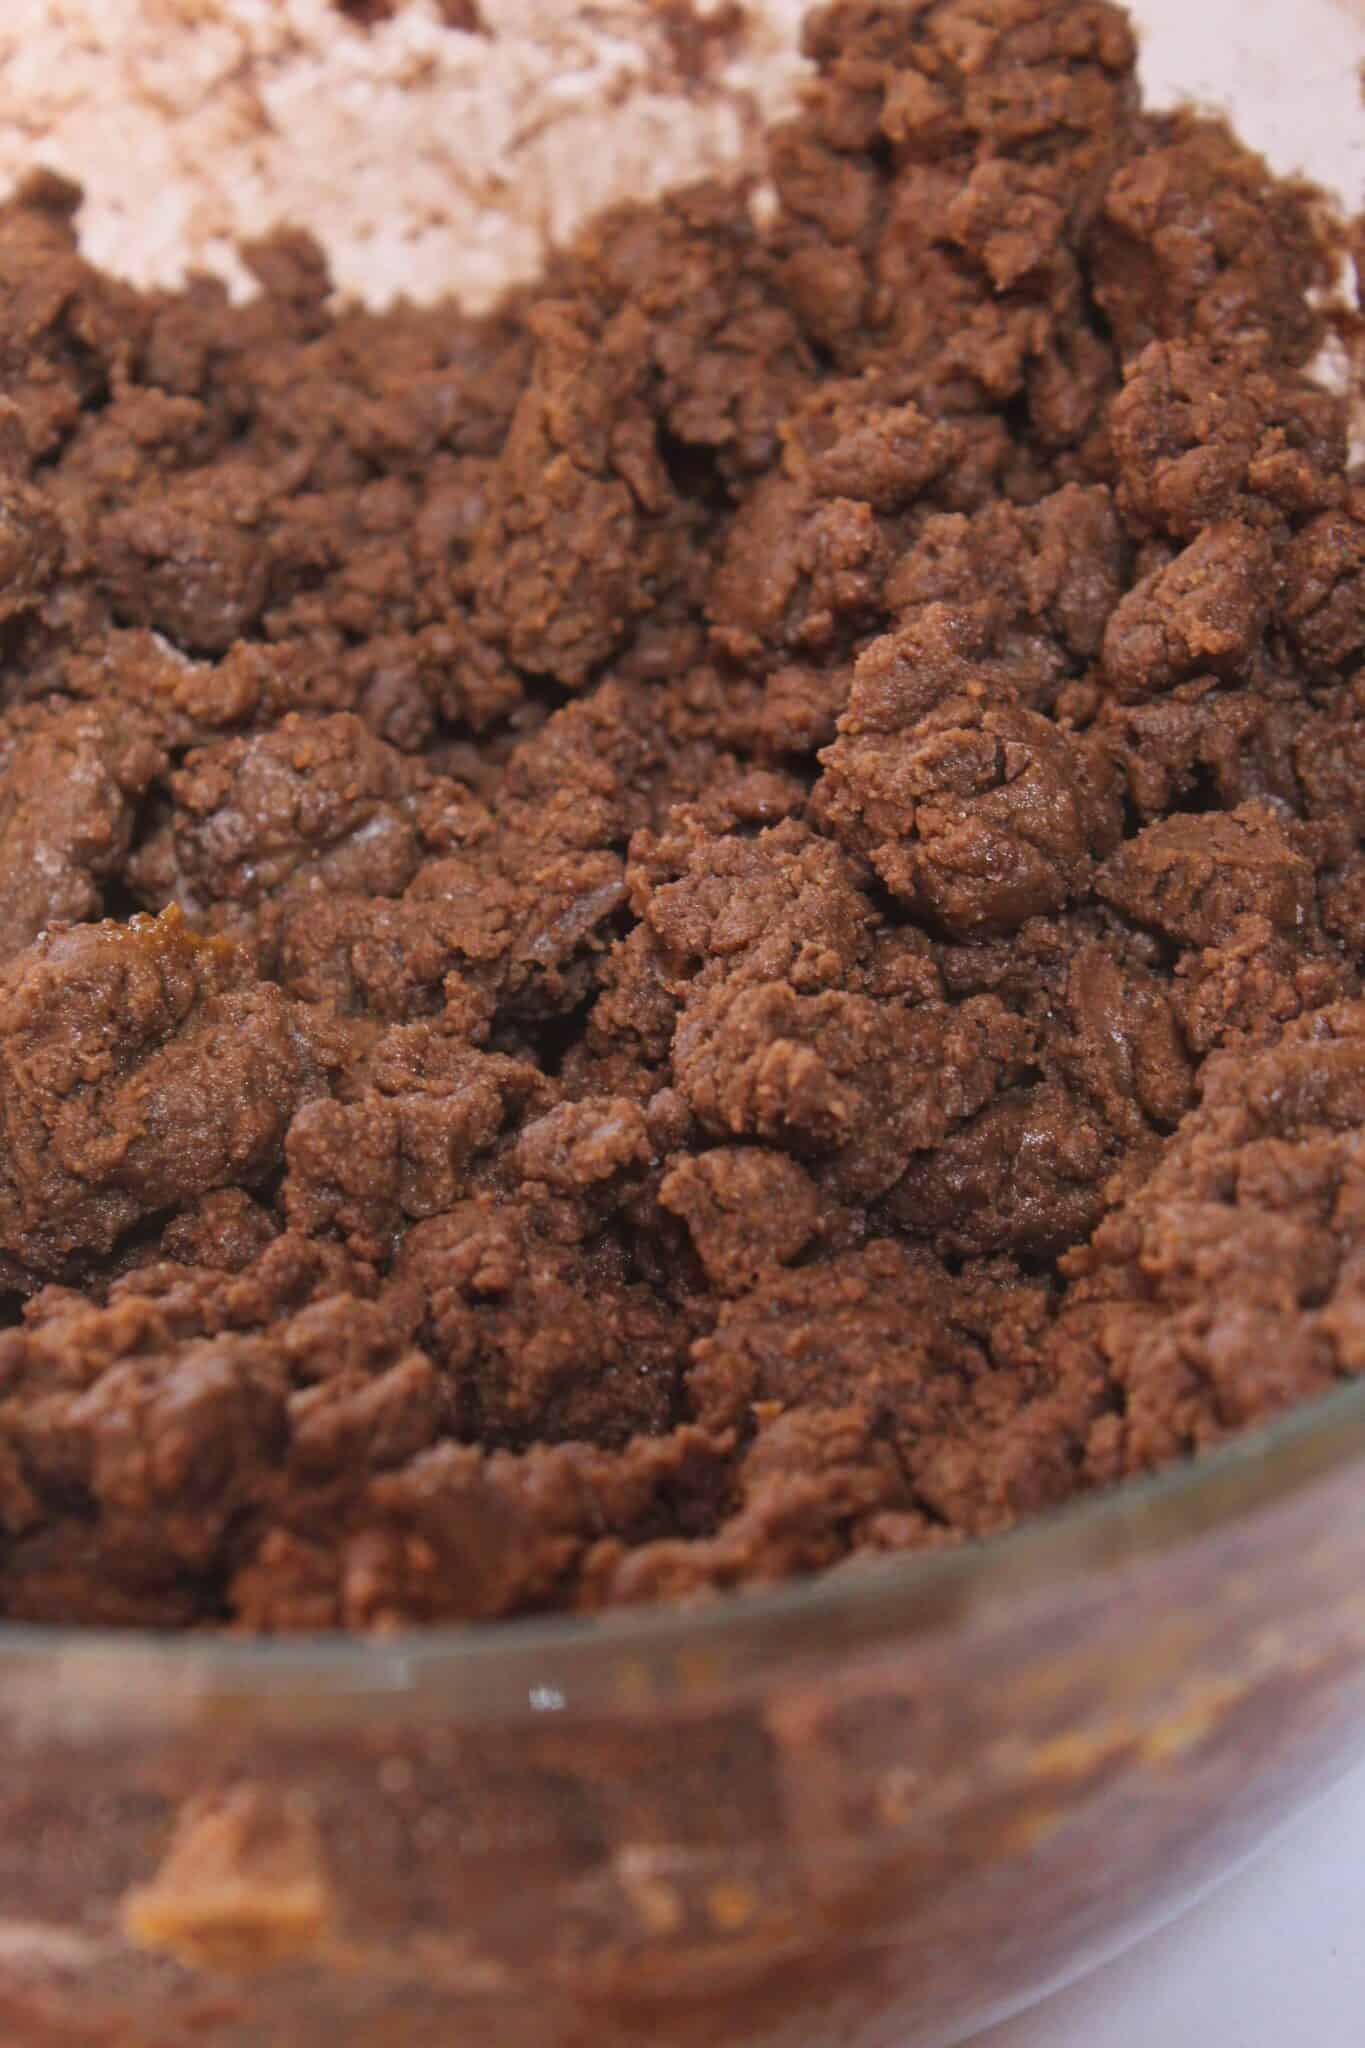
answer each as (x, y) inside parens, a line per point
(883, 1808)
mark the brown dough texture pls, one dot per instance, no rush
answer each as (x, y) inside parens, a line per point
(707, 925)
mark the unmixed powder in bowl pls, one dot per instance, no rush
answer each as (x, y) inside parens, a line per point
(431, 146)
(710, 924)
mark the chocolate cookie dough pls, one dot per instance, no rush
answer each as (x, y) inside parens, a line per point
(709, 925)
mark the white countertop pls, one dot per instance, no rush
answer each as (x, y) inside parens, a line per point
(1275, 1957)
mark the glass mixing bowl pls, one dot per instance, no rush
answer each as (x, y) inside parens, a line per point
(877, 1810)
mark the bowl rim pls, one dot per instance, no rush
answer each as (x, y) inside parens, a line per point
(632, 1658)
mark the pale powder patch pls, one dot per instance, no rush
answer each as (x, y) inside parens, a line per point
(425, 160)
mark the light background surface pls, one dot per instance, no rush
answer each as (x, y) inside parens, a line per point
(1273, 1959)
(1287, 71)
